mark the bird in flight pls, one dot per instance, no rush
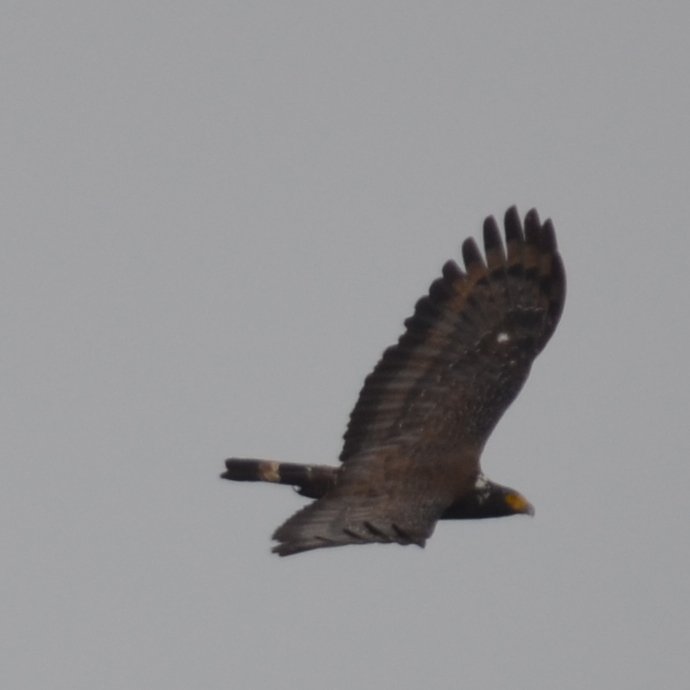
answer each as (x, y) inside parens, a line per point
(411, 453)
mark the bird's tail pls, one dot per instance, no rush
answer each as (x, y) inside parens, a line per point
(312, 481)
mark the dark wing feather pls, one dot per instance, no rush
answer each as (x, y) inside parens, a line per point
(468, 347)
(416, 433)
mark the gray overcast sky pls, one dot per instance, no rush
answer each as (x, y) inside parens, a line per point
(215, 216)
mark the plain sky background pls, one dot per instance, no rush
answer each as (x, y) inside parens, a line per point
(215, 216)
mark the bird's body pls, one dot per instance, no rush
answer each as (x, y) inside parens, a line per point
(412, 447)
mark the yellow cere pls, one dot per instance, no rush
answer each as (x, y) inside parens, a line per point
(519, 503)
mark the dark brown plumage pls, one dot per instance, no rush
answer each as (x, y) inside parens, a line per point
(412, 447)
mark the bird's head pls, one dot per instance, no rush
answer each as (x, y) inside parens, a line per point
(489, 500)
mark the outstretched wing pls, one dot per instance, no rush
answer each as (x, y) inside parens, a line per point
(414, 439)
(468, 348)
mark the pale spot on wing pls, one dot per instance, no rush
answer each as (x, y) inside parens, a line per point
(502, 337)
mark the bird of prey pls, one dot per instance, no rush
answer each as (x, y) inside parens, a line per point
(412, 447)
